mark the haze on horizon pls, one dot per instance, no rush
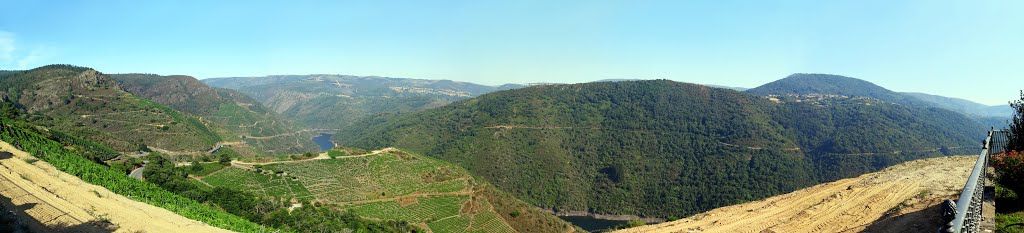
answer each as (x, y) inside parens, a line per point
(963, 49)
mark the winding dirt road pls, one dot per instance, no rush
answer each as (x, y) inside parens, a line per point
(906, 194)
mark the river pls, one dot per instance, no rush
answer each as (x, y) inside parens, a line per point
(592, 224)
(324, 141)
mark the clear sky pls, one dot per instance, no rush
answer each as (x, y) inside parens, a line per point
(968, 49)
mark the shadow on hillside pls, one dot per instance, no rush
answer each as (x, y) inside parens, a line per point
(925, 220)
(13, 218)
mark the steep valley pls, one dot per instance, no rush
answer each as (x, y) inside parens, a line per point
(475, 158)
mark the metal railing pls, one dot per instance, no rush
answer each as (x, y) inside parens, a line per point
(967, 217)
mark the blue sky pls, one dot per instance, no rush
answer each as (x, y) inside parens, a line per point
(966, 49)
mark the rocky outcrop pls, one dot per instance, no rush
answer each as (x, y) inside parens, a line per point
(177, 91)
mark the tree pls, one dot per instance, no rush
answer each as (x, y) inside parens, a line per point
(1015, 135)
(196, 167)
(225, 158)
(142, 147)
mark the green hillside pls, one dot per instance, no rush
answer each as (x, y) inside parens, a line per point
(85, 102)
(662, 148)
(392, 185)
(337, 101)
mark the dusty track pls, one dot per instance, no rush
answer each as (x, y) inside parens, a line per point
(54, 198)
(848, 205)
(321, 156)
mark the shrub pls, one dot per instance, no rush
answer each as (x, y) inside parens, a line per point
(1010, 169)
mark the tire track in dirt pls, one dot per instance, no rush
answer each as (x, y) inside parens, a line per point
(848, 205)
(56, 198)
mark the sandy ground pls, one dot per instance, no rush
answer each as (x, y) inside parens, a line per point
(901, 198)
(62, 202)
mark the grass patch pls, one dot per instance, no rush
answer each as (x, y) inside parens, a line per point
(1010, 222)
(336, 153)
(1009, 211)
(204, 169)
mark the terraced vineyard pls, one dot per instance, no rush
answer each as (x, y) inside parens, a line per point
(392, 185)
(260, 184)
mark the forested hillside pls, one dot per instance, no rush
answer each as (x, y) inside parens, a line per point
(662, 148)
(337, 101)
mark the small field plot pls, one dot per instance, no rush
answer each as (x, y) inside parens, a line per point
(260, 184)
(424, 210)
(394, 185)
(375, 177)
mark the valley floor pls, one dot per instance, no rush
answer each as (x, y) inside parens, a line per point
(901, 198)
(59, 202)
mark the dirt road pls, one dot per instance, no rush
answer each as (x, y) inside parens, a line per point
(908, 192)
(62, 202)
(322, 155)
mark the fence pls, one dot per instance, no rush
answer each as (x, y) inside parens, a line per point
(967, 217)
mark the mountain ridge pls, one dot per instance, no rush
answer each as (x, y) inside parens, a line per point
(586, 146)
(83, 101)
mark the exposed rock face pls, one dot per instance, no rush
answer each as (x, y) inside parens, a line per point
(284, 100)
(58, 90)
(177, 91)
(93, 105)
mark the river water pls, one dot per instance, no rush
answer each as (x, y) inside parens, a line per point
(592, 224)
(324, 141)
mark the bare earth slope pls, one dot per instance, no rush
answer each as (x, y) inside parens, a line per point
(62, 202)
(901, 198)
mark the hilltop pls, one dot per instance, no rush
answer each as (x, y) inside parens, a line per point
(816, 86)
(803, 84)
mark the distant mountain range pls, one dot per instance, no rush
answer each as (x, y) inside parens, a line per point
(336, 101)
(131, 111)
(235, 115)
(805, 84)
(967, 107)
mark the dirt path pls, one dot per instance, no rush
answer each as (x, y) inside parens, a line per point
(55, 198)
(322, 155)
(909, 192)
